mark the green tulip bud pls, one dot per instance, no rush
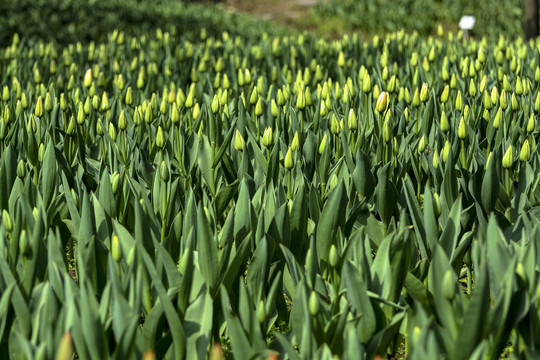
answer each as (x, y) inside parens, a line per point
(259, 108)
(506, 84)
(116, 249)
(122, 122)
(21, 169)
(267, 138)
(129, 96)
(48, 102)
(422, 144)
(6, 221)
(508, 158)
(446, 151)
(160, 139)
(39, 107)
(5, 93)
(115, 183)
(445, 125)
(24, 244)
(514, 102)
(196, 111)
(352, 122)
(313, 305)
(445, 94)
(239, 141)
(322, 145)
(215, 105)
(87, 82)
(462, 129)
(7, 115)
(65, 349)
(289, 162)
(387, 132)
(334, 125)
(95, 104)
(333, 257)
(414, 59)
(99, 127)
(498, 118)
(341, 59)
(531, 124)
(448, 286)
(472, 88)
(274, 108)
(164, 171)
(424, 93)
(112, 131)
(164, 106)
(416, 98)
(525, 153)
(382, 102)
(300, 100)
(366, 84)
(453, 82)
(494, 95)
(295, 144)
(459, 102)
(436, 204)
(519, 86)
(487, 101)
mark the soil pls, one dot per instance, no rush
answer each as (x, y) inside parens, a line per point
(288, 12)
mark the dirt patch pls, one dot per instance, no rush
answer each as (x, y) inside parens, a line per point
(289, 12)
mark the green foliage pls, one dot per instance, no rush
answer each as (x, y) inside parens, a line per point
(381, 16)
(146, 211)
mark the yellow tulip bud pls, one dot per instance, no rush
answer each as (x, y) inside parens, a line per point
(239, 141)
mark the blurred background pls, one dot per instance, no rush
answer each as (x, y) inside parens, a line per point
(67, 21)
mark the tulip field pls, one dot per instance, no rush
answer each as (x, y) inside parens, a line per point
(263, 197)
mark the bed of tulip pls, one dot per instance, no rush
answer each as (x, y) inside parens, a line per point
(248, 198)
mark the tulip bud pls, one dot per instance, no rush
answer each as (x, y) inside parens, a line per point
(21, 169)
(514, 102)
(48, 102)
(116, 249)
(214, 105)
(341, 59)
(122, 122)
(506, 84)
(508, 158)
(112, 131)
(333, 258)
(531, 124)
(462, 129)
(424, 93)
(366, 84)
(416, 98)
(448, 286)
(267, 138)
(160, 139)
(39, 107)
(238, 141)
(274, 108)
(382, 102)
(87, 82)
(164, 171)
(314, 306)
(459, 102)
(259, 108)
(387, 132)
(352, 122)
(300, 100)
(65, 349)
(6, 221)
(7, 115)
(196, 111)
(436, 204)
(422, 144)
(525, 153)
(446, 151)
(295, 142)
(453, 82)
(472, 88)
(445, 94)
(289, 162)
(322, 145)
(334, 125)
(115, 183)
(494, 95)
